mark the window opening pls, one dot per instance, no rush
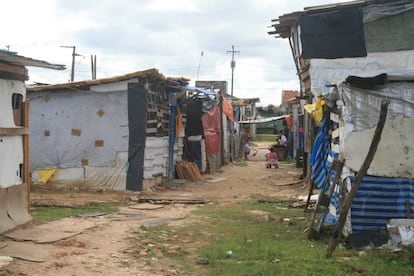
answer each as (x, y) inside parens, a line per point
(17, 106)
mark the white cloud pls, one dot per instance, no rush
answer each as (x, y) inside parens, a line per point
(172, 6)
(133, 35)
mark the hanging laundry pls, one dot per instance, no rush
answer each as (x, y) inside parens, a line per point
(318, 113)
(320, 151)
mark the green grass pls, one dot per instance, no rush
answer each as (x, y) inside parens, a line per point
(55, 213)
(265, 138)
(261, 246)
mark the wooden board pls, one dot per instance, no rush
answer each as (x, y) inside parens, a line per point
(19, 70)
(13, 131)
(27, 251)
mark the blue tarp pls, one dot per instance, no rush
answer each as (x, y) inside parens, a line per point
(380, 199)
(320, 151)
(199, 89)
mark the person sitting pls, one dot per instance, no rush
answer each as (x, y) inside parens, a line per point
(271, 159)
(282, 139)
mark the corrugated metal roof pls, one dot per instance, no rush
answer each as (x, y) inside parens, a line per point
(14, 59)
(150, 74)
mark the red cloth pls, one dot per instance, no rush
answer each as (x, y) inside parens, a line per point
(212, 130)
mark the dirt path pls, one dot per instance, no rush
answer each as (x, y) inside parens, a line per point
(105, 248)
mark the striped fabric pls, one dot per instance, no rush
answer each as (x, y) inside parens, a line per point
(379, 199)
(319, 155)
(336, 196)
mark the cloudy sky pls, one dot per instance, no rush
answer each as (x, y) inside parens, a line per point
(134, 35)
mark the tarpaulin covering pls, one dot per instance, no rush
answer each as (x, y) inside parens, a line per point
(379, 199)
(337, 34)
(228, 109)
(364, 105)
(199, 89)
(137, 121)
(64, 127)
(195, 148)
(212, 130)
(394, 157)
(397, 65)
(194, 125)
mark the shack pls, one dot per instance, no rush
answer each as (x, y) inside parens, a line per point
(110, 133)
(349, 56)
(14, 138)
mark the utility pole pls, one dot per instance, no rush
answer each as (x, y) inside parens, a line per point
(74, 54)
(93, 66)
(232, 65)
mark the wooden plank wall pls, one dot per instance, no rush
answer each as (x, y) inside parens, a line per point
(157, 114)
(156, 156)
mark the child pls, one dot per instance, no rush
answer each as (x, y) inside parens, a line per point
(271, 159)
(245, 143)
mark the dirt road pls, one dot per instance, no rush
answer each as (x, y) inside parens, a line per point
(99, 244)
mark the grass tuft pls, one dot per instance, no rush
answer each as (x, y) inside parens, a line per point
(260, 239)
(51, 213)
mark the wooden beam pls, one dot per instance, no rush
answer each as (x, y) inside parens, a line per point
(13, 131)
(20, 70)
(26, 167)
(151, 130)
(13, 76)
(346, 205)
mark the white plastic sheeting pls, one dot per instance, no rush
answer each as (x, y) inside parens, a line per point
(108, 177)
(363, 106)
(394, 156)
(98, 117)
(398, 65)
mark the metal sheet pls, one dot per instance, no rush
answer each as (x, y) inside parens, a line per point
(13, 207)
(17, 204)
(5, 222)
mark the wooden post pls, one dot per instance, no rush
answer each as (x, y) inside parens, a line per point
(309, 194)
(26, 166)
(334, 240)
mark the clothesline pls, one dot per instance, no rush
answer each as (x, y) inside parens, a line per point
(263, 120)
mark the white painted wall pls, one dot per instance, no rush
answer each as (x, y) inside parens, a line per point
(11, 147)
(395, 153)
(7, 88)
(156, 156)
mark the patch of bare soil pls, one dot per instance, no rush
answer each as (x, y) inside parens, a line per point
(107, 249)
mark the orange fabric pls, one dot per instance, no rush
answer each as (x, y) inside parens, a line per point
(178, 122)
(288, 119)
(228, 109)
